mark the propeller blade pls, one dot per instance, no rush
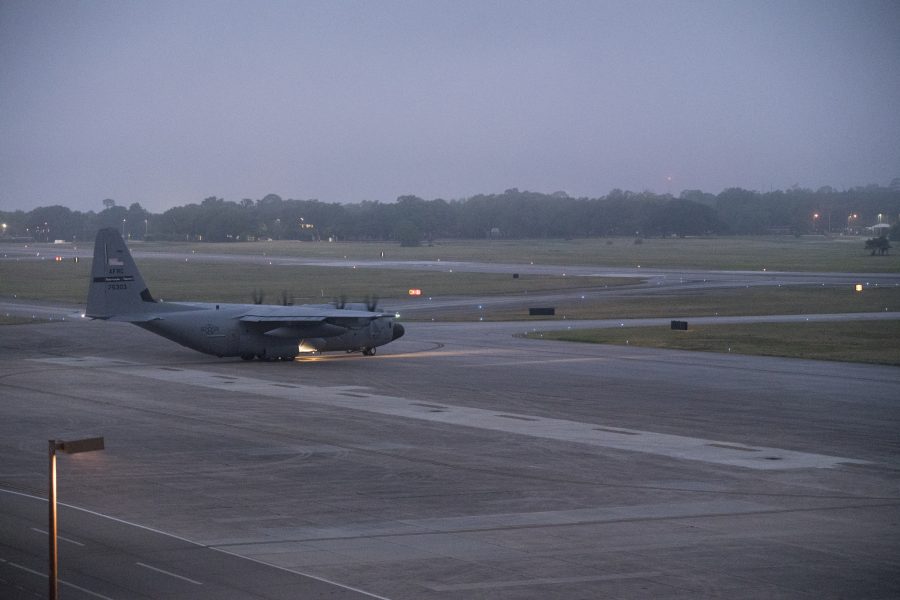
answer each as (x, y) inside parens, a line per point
(371, 303)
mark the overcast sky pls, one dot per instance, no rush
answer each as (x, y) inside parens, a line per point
(166, 103)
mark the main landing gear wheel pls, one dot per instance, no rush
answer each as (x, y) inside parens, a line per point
(368, 351)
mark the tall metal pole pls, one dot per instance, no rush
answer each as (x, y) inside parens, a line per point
(51, 501)
(70, 447)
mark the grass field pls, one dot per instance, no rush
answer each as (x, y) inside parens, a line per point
(795, 300)
(11, 320)
(67, 282)
(856, 341)
(776, 253)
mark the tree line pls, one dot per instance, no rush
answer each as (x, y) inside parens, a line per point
(513, 214)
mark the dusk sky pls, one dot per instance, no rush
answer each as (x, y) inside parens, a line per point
(166, 103)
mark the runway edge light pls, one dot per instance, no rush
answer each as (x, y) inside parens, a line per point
(858, 287)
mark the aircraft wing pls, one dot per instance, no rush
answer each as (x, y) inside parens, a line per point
(306, 321)
(282, 319)
(301, 314)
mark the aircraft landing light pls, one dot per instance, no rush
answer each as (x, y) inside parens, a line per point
(305, 348)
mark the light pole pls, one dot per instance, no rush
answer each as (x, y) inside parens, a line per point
(72, 447)
(123, 228)
(815, 222)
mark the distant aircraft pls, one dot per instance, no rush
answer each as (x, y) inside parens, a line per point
(118, 293)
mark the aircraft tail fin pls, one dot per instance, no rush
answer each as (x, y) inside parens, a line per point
(116, 287)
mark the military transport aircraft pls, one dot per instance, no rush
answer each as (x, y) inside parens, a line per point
(118, 293)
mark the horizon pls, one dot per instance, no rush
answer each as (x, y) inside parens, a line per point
(894, 186)
(168, 103)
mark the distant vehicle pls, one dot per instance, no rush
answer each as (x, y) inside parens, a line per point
(118, 293)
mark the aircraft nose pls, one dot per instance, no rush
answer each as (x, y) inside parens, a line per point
(398, 331)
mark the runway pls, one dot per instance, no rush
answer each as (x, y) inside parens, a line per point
(106, 558)
(460, 462)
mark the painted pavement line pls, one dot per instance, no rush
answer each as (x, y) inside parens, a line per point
(169, 573)
(594, 434)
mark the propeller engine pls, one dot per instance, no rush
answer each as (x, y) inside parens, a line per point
(372, 303)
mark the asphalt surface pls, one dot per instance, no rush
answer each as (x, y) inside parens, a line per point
(460, 462)
(102, 557)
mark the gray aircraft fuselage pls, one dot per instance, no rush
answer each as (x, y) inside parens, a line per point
(217, 329)
(118, 292)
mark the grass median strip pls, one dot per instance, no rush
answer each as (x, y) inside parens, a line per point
(14, 320)
(755, 253)
(853, 341)
(219, 282)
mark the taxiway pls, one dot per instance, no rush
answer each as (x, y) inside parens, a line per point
(462, 462)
